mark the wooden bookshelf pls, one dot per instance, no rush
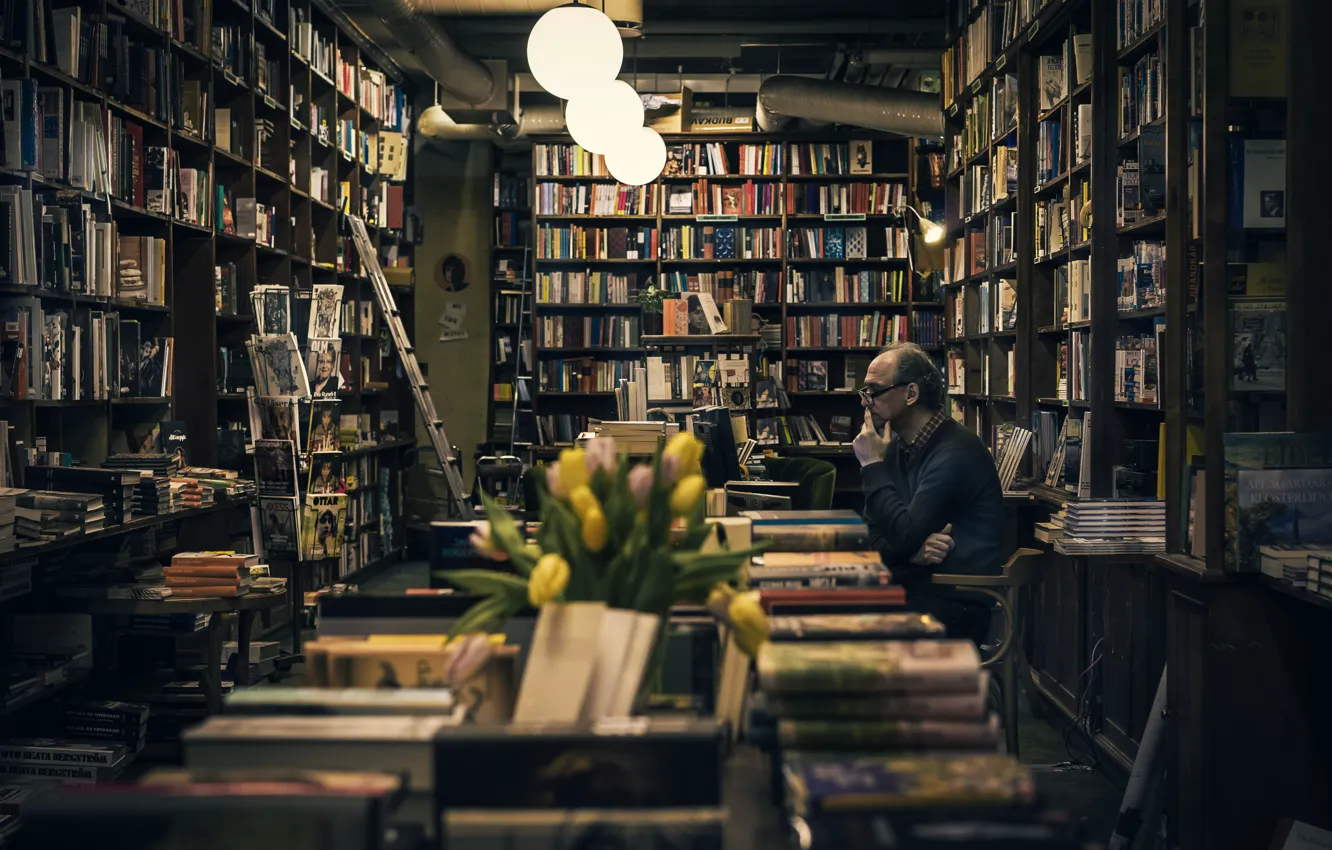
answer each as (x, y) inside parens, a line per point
(510, 421)
(895, 163)
(293, 111)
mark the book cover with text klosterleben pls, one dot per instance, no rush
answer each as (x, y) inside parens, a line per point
(1282, 507)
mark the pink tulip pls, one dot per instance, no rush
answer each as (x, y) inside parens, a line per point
(553, 483)
(601, 454)
(670, 468)
(640, 484)
(467, 658)
(481, 541)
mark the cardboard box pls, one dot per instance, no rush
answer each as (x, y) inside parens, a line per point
(670, 113)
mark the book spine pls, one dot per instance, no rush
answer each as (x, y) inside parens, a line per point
(57, 755)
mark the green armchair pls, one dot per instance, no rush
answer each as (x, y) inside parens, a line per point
(817, 480)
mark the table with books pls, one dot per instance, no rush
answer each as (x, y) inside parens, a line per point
(197, 584)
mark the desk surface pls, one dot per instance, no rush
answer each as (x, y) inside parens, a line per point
(193, 605)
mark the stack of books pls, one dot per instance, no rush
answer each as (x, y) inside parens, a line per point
(64, 760)
(152, 495)
(187, 495)
(1299, 566)
(44, 515)
(8, 503)
(161, 464)
(1113, 527)
(115, 486)
(811, 531)
(925, 694)
(206, 574)
(224, 483)
(165, 623)
(15, 576)
(124, 723)
(636, 438)
(818, 570)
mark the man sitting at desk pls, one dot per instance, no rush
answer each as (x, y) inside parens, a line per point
(932, 495)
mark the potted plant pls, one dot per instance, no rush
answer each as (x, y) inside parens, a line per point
(649, 298)
(619, 544)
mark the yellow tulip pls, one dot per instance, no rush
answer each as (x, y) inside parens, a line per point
(719, 600)
(747, 620)
(688, 450)
(594, 529)
(548, 580)
(583, 500)
(687, 494)
(573, 470)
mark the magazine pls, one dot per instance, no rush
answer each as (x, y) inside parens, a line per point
(323, 426)
(325, 312)
(322, 360)
(275, 467)
(323, 521)
(281, 527)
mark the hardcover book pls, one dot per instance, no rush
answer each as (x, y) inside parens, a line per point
(862, 783)
(872, 666)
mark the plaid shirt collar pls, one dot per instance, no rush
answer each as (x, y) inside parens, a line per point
(926, 432)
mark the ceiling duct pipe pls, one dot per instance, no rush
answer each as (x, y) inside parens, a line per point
(909, 113)
(457, 71)
(540, 120)
(626, 14)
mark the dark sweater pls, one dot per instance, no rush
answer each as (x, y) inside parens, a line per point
(951, 479)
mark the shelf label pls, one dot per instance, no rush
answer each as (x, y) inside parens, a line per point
(975, 86)
(715, 218)
(270, 102)
(1003, 61)
(843, 216)
(1031, 33)
(952, 111)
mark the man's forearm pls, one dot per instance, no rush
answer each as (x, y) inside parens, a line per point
(902, 526)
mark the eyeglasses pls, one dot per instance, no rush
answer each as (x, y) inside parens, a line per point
(870, 395)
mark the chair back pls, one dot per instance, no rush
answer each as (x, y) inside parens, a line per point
(1021, 566)
(816, 480)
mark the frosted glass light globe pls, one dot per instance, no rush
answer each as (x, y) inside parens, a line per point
(573, 47)
(433, 121)
(605, 116)
(640, 160)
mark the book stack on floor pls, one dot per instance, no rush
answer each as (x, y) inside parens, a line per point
(1113, 527)
(41, 516)
(115, 486)
(208, 574)
(8, 506)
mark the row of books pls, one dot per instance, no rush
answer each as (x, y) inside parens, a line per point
(1141, 276)
(692, 242)
(596, 243)
(725, 284)
(845, 286)
(1137, 366)
(850, 243)
(584, 287)
(84, 354)
(595, 199)
(585, 375)
(976, 126)
(1141, 94)
(704, 198)
(837, 330)
(705, 158)
(554, 332)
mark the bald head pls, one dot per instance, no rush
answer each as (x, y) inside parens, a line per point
(907, 363)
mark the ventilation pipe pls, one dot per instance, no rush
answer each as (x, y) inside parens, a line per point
(627, 14)
(784, 98)
(456, 70)
(541, 120)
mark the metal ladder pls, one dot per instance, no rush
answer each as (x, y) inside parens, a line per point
(407, 353)
(524, 315)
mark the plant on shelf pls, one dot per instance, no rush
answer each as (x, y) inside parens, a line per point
(620, 542)
(650, 298)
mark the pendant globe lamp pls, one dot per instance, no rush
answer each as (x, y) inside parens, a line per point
(605, 116)
(572, 48)
(640, 159)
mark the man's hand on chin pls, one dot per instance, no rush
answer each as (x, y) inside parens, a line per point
(870, 446)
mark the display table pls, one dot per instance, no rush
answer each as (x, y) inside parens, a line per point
(244, 607)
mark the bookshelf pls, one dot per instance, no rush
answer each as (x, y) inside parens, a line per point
(820, 295)
(510, 421)
(252, 116)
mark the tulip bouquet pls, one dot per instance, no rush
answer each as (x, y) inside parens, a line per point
(607, 536)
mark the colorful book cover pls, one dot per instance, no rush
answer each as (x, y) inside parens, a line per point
(1282, 507)
(1265, 450)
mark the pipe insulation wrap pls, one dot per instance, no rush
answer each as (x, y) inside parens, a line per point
(909, 113)
(456, 70)
(537, 120)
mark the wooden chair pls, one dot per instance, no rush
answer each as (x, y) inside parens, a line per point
(1007, 661)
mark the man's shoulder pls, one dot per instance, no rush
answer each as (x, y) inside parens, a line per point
(954, 436)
